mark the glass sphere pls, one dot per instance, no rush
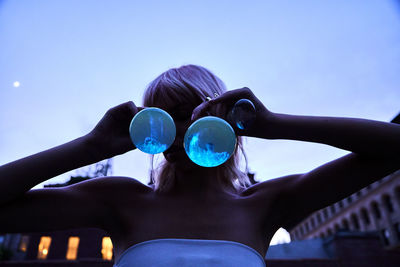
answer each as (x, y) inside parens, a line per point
(209, 141)
(242, 114)
(152, 130)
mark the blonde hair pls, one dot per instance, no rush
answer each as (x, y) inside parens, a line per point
(192, 84)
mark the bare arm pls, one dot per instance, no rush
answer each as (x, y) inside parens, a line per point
(365, 137)
(90, 203)
(374, 147)
(109, 138)
(19, 176)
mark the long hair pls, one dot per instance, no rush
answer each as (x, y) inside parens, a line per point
(192, 84)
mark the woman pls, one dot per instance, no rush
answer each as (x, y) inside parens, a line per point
(193, 216)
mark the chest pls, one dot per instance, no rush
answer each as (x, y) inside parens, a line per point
(156, 218)
(186, 217)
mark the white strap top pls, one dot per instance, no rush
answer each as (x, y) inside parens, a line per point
(189, 253)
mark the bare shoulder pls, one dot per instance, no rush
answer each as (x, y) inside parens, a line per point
(112, 185)
(268, 199)
(272, 188)
(90, 203)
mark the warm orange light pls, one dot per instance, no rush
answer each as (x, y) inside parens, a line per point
(44, 247)
(23, 244)
(107, 248)
(73, 244)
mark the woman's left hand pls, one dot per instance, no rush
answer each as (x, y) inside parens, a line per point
(223, 104)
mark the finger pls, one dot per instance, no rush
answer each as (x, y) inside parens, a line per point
(231, 96)
(228, 98)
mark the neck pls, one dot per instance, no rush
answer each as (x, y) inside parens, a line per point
(198, 181)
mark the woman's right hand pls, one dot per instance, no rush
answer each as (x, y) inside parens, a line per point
(110, 137)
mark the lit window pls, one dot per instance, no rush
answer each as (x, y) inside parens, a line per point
(72, 252)
(23, 243)
(44, 246)
(107, 248)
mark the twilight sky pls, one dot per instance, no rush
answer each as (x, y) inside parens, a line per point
(76, 59)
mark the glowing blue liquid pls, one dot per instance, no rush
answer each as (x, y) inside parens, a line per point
(205, 157)
(209, 141)
(152, 130)
(152, 146)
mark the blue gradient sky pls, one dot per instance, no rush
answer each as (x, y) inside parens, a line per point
(77, 59)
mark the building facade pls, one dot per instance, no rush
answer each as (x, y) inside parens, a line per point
(90, 245)
(374, 208)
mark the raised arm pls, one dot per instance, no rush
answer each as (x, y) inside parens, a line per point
(109, 138)
(364, 137)
(19, 176)
(374, 145)
(86, 204)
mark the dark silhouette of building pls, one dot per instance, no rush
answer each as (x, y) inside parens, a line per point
(373, 208)
(341, 249)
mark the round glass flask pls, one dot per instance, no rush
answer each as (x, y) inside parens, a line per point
(243, 114)
(209, 141)
(152, 130)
